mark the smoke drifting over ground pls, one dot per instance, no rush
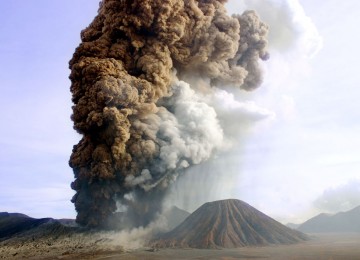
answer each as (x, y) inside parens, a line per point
(148, 87)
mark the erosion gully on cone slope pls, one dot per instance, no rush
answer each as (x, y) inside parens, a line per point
(229, 224)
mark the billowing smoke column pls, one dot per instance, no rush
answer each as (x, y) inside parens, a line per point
(142, 124)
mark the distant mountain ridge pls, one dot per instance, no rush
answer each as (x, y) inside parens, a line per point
(348, 221)
(174, 216)
(228, 224)
(293, 225)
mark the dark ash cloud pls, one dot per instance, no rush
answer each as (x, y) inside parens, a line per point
(141, 125)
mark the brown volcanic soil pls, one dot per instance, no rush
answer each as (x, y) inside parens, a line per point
(321, 246)
(228, 224)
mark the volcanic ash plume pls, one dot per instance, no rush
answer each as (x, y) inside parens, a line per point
(142, 124)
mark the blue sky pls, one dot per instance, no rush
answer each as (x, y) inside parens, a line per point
(38, 40)
(303, 161)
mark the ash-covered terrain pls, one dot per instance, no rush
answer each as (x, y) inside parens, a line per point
(219, 224)
(233, 226)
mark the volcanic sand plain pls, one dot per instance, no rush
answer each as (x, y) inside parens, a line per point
(320, 247)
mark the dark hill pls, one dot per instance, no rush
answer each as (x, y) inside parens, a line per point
(229, 224)
(13, 223)
(342, 222)
(16, 224)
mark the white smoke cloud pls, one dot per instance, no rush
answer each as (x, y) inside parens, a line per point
(290, 28)
(216, 178)
(293, 40)
(195, 132)
(130, 239)
(187, 132)
(236, 115)
(194, 124)
(131, 180)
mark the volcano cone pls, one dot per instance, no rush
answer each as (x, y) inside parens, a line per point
(228, 224)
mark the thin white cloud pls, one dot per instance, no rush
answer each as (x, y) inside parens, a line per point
(304, 151)
(341, 198)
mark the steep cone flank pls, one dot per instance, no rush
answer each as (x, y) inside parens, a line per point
(228, 223)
